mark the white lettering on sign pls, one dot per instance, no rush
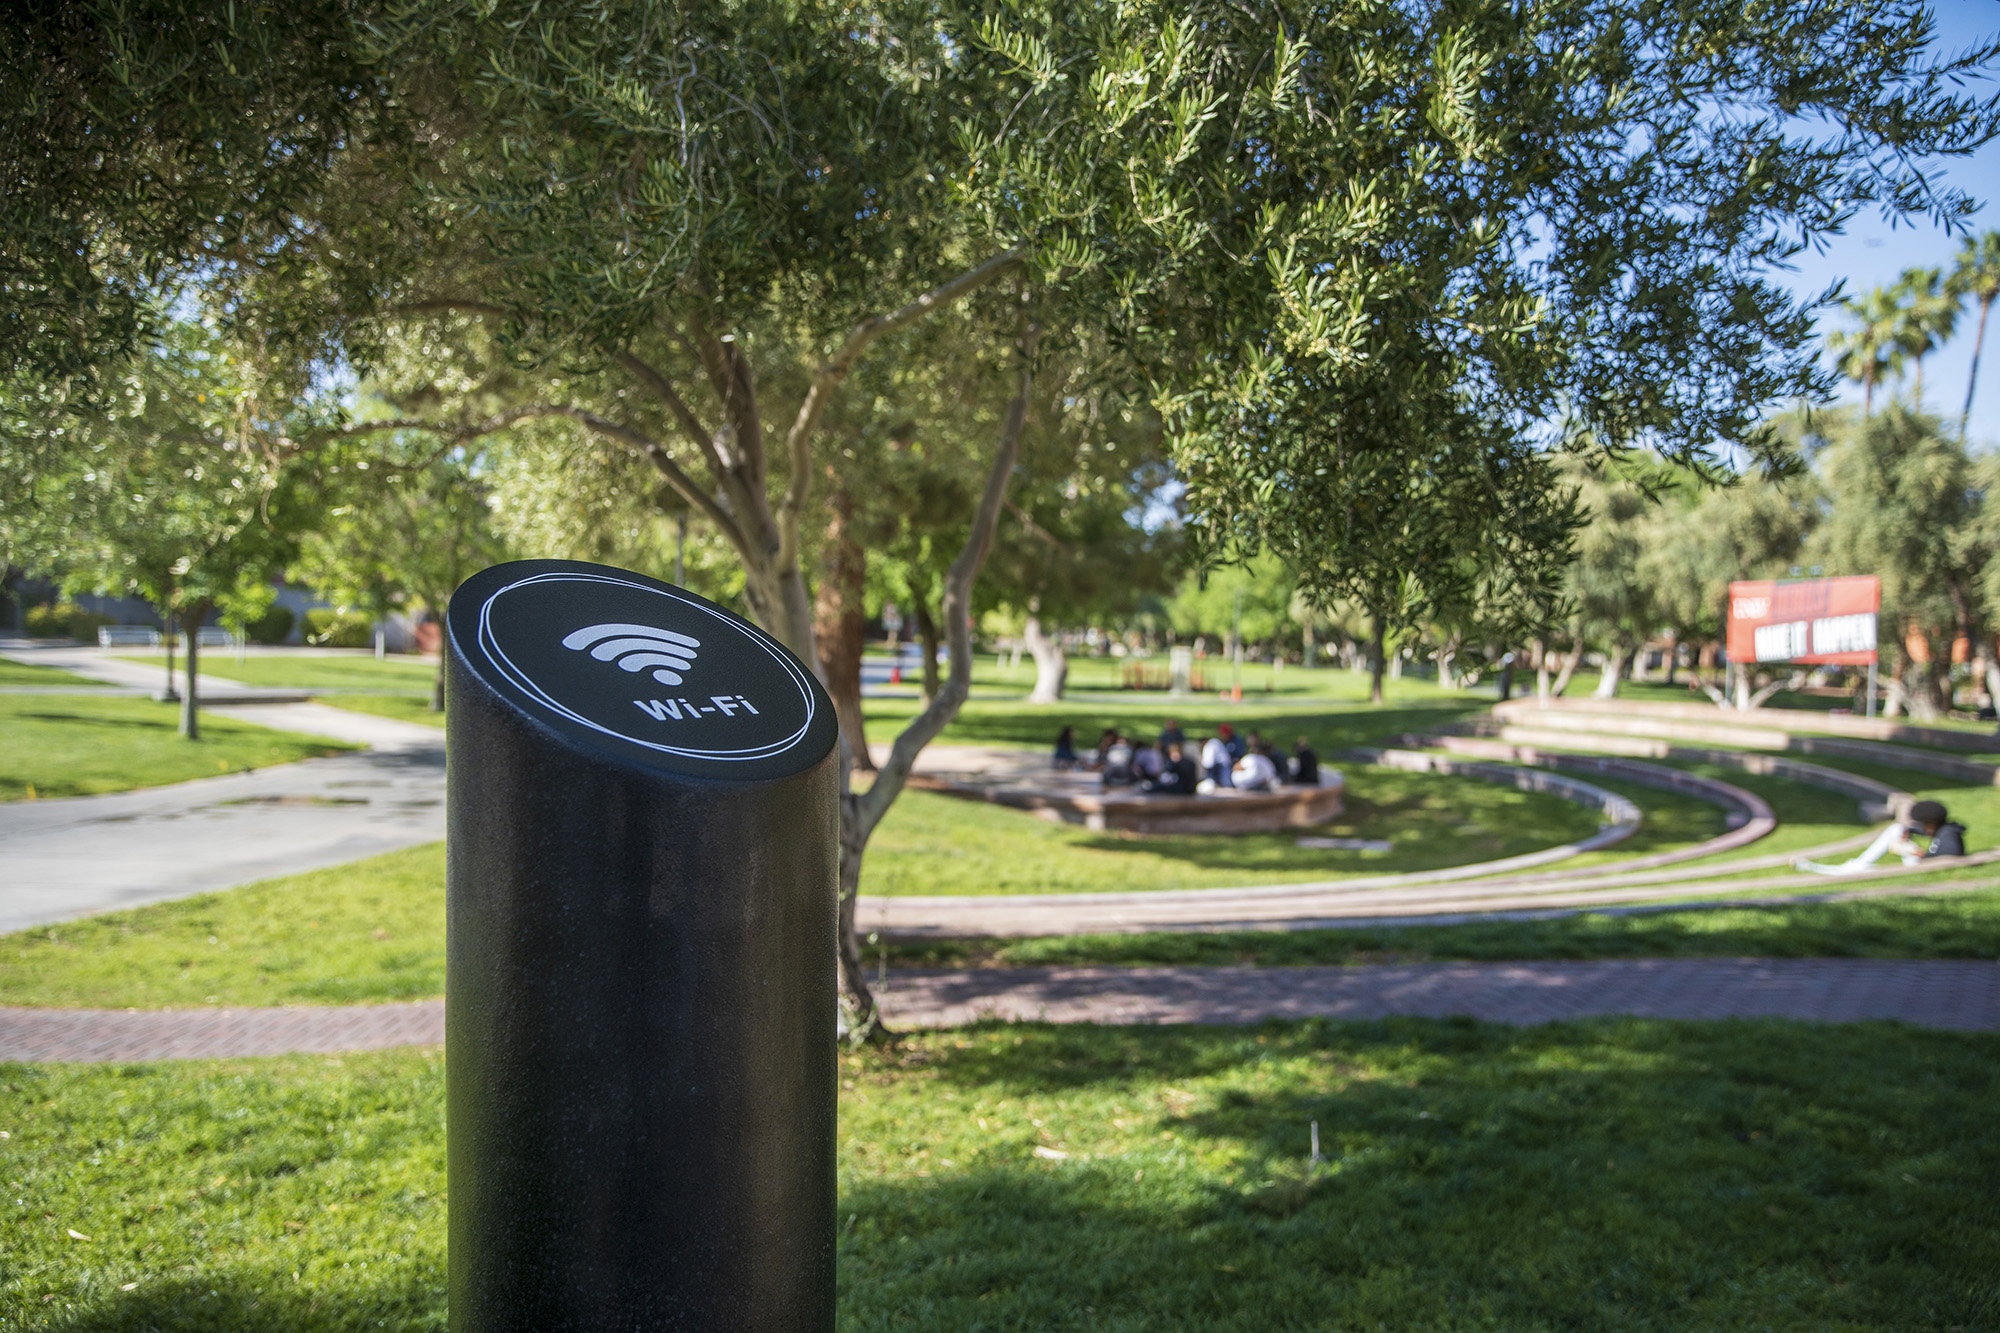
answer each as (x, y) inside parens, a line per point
(728, 705)
(1844, 634)
(1782, 642)
(1749, 608)
(636, 647)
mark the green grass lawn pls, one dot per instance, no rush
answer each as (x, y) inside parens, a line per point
(1326, 707)
(1827, 815)
(1092, 675)
(23, 673)
(1963, 924)
(374, 930)
(74, 745)
(1330, 723)
(370, 930)
(936, 844)
(402, 707)
(1807, 816)
(1607, 1174)
(309, 672)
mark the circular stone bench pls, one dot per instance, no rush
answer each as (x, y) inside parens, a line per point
(1078, 798)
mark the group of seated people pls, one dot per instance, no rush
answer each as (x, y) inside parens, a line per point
(1169, 766)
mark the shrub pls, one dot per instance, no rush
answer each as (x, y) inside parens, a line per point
(64, 621)
(274, 626)
(339, 629)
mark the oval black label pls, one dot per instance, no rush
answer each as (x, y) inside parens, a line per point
(638, 663)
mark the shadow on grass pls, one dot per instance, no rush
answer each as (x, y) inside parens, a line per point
(1599, 1175)
(262, 1303)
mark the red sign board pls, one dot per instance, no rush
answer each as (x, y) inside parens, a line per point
(1804, 620)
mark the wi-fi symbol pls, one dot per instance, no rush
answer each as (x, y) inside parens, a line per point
(636, 647)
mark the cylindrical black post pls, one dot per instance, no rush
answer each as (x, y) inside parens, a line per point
(642, 843)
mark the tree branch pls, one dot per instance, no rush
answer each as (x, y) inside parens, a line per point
(663, 389)
(1033, 528)
(888, 784)
(662, 461)
(798, 440)
(728, 378)
(635, 439)
(452, 305)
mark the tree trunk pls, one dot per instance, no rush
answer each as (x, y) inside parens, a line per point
(1309, 648)
(1673, 659)
(1926, 691)
(1376, 666)
(861, 812)
(1896, 694)
(1570, 661)
(1051, 663)
(1972, 381)
(190, 700)
(927, 635)
(1614, 667)
(170, 627)
(839, 628)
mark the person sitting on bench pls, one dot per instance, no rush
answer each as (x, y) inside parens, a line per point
(1305, 764)
(1116, 765)
(1255, 771)
(1181, 777)
(1927, 832)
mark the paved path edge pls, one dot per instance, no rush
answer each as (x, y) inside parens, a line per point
(1953, 994)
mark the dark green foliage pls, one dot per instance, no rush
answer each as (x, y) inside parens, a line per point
(327, 628)
(147, 142)
(274, 626)
(63, 620)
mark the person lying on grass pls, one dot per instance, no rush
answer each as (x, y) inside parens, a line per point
(1928, 832)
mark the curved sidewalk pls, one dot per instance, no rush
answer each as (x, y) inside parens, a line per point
(1942, 994)
(67, 858)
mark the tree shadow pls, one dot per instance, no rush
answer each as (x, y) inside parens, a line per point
(235, 1302)
(1594, 1175)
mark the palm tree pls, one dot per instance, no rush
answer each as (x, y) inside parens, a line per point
(1875, 347)
(1929, 314)
(1977, 274)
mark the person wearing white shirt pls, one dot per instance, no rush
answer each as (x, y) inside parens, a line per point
(1255, 772)
(1215, 761)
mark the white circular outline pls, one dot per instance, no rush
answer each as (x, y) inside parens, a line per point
(489, 643)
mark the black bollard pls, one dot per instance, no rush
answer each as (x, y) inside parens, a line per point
(642, 840)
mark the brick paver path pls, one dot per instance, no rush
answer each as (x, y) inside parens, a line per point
(1835, 990)
(183, 1034)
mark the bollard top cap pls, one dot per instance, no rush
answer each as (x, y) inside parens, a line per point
(645, 670)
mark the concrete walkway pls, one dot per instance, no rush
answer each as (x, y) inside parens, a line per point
(108, 667)
(1961, 995)
(64, 859)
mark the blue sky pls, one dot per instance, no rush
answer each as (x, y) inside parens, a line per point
(1872, 253)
